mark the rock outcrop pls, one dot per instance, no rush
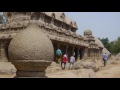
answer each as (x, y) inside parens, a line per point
(86, 64)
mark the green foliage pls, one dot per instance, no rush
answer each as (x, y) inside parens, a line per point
(105, 42)
(113, 47)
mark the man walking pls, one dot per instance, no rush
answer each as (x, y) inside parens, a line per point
(105, 58)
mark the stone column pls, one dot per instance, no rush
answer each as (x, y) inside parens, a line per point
(94, 55)
(100, 53)
(73, 51)
(85, 56)
(90, 53)
(66, 50)
(58, 46)
(3, 56)
(78, 54)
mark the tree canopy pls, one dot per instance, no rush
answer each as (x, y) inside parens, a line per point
(113, 47)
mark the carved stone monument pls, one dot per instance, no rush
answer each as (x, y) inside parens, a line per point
(31, 51)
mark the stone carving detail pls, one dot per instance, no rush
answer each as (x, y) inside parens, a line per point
(27, 53)
(19, 21)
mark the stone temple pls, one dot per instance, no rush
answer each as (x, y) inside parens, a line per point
(58, 27)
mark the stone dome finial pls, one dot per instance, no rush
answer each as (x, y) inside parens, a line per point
(87, 32)
(31, 51)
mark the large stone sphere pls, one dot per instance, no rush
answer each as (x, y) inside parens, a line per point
(31, 50)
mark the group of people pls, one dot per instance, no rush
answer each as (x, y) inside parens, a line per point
(64, 59)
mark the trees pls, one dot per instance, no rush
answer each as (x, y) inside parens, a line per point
(117, 46)
(113, 47)
(105, 42)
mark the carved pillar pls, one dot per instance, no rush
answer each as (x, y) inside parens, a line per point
(58, 46)
(69, 28)
(66, 50)
(90, 53)
(78, 54)
(85, 53)
(73, 51)
(3, 55)
(94, 54)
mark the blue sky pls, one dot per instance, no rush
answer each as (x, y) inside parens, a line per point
(102, 24)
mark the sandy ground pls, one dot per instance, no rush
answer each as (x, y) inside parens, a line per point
(110, 71)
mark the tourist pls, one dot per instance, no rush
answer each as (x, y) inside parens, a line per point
(105, 58)
(72, 61)
(64, 61)
(58, 55)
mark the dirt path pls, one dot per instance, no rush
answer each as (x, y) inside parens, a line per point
(110, 71)
(62, 74)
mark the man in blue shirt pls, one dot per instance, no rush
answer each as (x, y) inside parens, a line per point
(58, 55)
(58, 52)
(105, 58)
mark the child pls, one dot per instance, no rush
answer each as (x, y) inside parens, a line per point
(72, 60)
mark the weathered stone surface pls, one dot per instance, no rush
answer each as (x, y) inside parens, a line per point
(86, 64)
(31, 65)
(30, 74)
(31, 44)
(6, 68)
(85, 73)
(53, 68)
(31, 51)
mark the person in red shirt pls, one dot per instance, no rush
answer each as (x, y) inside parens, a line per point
(64, 61)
